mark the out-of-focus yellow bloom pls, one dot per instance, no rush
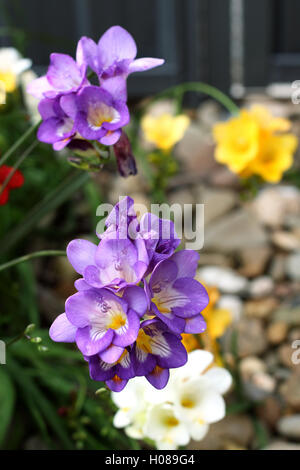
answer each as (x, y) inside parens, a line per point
(165, 130)
(257, 143)
(12, 65)
(217, 322)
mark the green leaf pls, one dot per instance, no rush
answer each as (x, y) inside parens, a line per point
(7, 401)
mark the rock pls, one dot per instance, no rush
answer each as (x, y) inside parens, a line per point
(233, 428)
(250, 335)
(269, 411)
(285, 353)
(233, 304)
(224, 178)
(293, 266)
(215, 259)
(261, 287)
(259, 386)
(235, 232)
(286, 241)
(196, 151)
(276, 332)
(290, 390)
(260, 308)
(126, 187)
(289, 426)
(254, 261)
(282, 445)
(181, 196)
(272, 205)
(278, 267)
(217, 202)
(224, 279)
(251, 365)
(289, 314)
(208, 113)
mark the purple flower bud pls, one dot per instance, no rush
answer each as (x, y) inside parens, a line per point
(125, 159)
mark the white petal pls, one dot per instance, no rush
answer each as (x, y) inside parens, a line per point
(198, 430)
(211, 408)
(121, 419)
(219, 378)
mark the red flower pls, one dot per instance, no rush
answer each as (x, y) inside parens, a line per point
(16, 181)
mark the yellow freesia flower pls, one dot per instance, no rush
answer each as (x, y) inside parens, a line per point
(255, 142)
(12, 65)
(217, 322)
(165, 130)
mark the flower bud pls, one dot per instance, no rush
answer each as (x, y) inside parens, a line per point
(125, 159)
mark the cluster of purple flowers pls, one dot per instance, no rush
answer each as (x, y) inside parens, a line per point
(75, 112)
(135, 298)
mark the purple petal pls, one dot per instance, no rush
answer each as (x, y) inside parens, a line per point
(83, 305)
(92, 277)
(195, 324)
(48, 131)
(174, 323)
(39, 87)
(158, 377)
(196, 294)
(178, 355)
(87, 53)
(80, 284)
(46, 109)
(62, 330)
(116, 384)
(81, 253)
(61, 145)
(89, 345)
(143, 363)
(111, 354)
(100, 370)
(145, 63)
(63, 73)
(116, 87)
(136, 299)
(115, 45)
(186, 262)
(68, 105)
(164, 273)
(111, 137)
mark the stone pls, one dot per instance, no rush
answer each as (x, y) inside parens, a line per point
(251, 365)
(208, 113)
(250, 336)
(273, 205)
(254, 261)
(288, 314)
(235, 232)
(259, 386)
(216, 259)
(224, 279)
(222, 177)
(289, 426)
(290, 390)
(293, 266)
(282, 445)
(196, 151)
(261, 287)
(276, 332)
(285, 353)
(217, 202)
(260, 308)
(278, 267)
(286, 240)
(270, 411)
(235, 428)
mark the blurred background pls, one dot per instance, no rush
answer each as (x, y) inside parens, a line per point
(250, 261)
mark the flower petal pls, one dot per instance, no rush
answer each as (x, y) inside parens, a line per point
(62, 330)
(145, 63)
(81, 253)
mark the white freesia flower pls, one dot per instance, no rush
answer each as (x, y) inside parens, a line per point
(12, 65)
(184, 409)
(30, 101)
(165, 428)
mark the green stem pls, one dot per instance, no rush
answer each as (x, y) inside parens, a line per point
(36, 254)
(56, 197)
(180, 90)
(17, 164)
(19, 142)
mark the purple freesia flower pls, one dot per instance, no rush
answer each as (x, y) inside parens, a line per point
(100, 321)
(155, 351)
(116, 374)
(114, 55)
(135, 298)
(57, 127)
(174, 296)
(115, 263)
(102, 111)
(65, 75)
